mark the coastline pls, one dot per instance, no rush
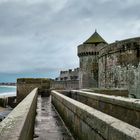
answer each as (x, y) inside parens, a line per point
(7, 99)
(7, 94)
(7, 91)
(4, 112)
(8, 86)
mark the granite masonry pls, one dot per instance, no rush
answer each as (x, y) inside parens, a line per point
(105, 66)
(26, 85)
(119, 66)
(111, 66)
(67, 80)
(105, 69)
(88, 54)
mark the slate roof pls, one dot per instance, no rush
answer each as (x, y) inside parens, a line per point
(95, 39)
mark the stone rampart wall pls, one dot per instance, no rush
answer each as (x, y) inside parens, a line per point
(87, 123)
(115, 92)
(26, 85)
(125, 109)
(89, 49)
(63, 85)
(19, 124)
(131, 44)
(119, 66)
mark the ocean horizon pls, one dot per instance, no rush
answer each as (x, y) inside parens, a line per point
(7, 90)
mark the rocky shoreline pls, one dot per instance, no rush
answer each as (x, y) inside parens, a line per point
(6, 105)
(4, 112)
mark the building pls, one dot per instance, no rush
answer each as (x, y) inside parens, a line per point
(68, 75)
(103, 65)
(119, 66)
(115, 65)
(88, 53)
(67, 80)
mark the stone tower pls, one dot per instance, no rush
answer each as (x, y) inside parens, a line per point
(88, 54)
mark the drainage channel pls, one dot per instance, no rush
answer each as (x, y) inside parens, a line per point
(48, 124)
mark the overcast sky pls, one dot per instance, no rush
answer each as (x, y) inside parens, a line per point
(38, 38)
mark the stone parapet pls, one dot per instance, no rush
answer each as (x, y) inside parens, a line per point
(111, 91)
(87, 123)
(19, 124)
(119, 66)
(89, 49)
(69, 85)
(125, 109)
(26, 85)
(120, 46)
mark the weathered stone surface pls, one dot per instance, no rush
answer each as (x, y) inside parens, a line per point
(19, 124)
(107, 91)
(65, 85)
(120, 66)
(48, 124)
(88, 54)
(26, 85)
(115, 65)
(88, 123)
(125, 109)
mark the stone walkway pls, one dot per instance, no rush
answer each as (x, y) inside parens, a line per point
(48, 124)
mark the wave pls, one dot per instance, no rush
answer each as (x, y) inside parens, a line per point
(8, 86)
(7, 94)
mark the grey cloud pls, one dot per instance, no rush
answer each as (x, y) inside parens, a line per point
(40, 35)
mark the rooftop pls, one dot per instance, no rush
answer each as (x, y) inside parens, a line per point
(95, 39)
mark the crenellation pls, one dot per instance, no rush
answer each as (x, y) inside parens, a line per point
(119, 66)
(103, 65)
(114, 65)
(88, 54)
(67, 80)
(107, 71)
(121, 46)
(68, 75)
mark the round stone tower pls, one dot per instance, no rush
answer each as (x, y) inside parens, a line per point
(88, 54)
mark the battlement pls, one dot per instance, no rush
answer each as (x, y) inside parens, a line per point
(68, 75)
(121, 46)
(89, 49)
(69, 71)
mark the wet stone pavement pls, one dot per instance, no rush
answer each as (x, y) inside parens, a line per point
(48, 125)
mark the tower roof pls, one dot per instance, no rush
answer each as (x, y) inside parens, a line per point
(95, 39)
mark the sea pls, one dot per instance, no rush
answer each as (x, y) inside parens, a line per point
(7, 91)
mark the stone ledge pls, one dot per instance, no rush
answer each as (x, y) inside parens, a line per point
(118, 46)
(105, 91)
(117, 100)
(106, 126)
(18, 125)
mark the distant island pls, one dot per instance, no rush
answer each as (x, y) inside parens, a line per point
(7, 84)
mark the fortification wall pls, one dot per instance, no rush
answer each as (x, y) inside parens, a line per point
(26, 85)
(88, 71)
(19, 124)
(71, 84)
(89, 49)
(115, 92)
(125, 109)
(88, 55)
(69, 75)
(119, 66)
(87, 123)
